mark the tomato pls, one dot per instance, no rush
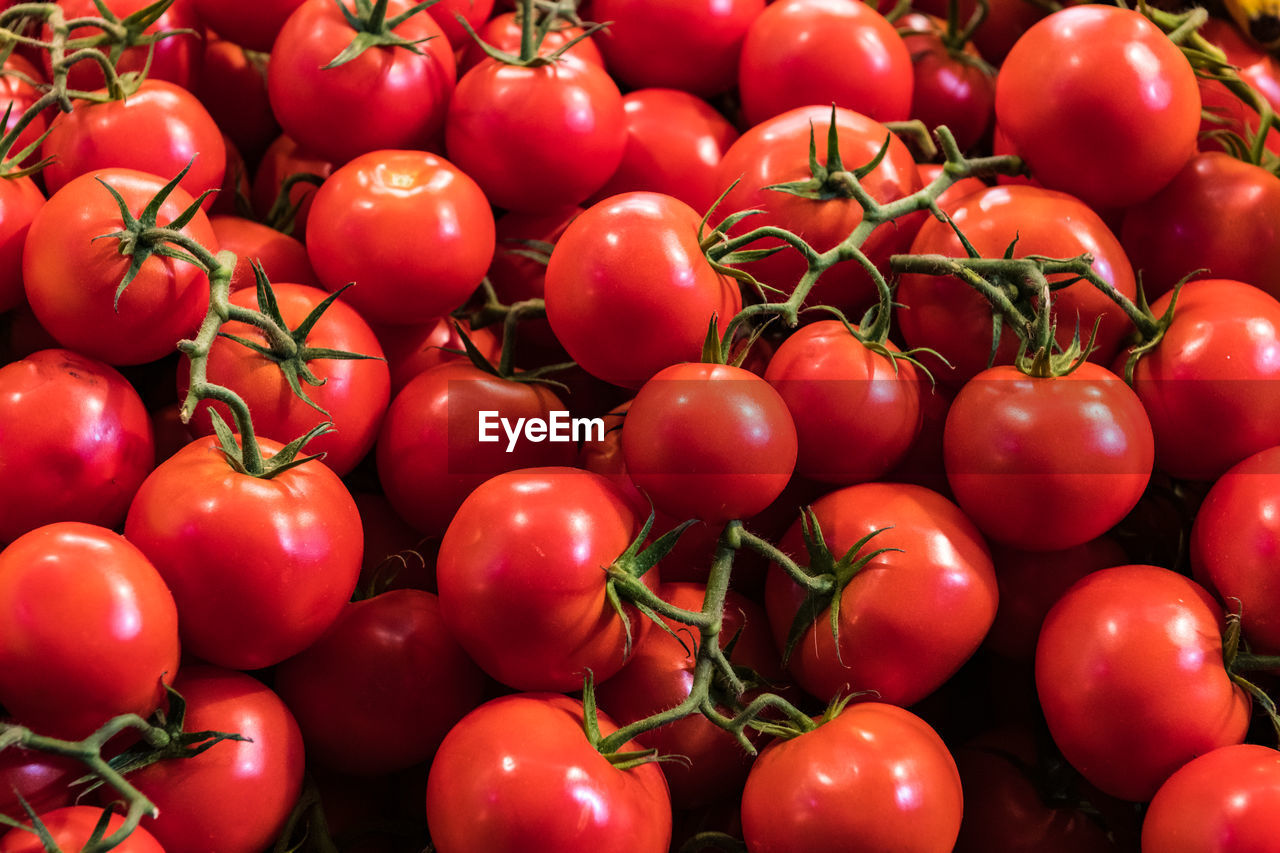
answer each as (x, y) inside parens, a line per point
(1037, 495)
(17, 95)
(1234, 541)
(1004, 24)
(283, 258)
(235, 796)
(556, 792)
(71, 828)
(521, 580)
(387, 97)
(856, 411)
(77, 442)
(178, 129)
(285, 157)
(675, 44)
(1256, 67)
(910, 618)
(950, 88)
(776, 151)
(176, 58)
(503, 31)
(1130, 676)
(379, 691)
(1210, 385)
(88, 632)
(20, 201)
(233, 88)
(42, 779)
(409, 228)
(355, 392)
(1180, 229)
(71, 278)
(415, 349)
(567, 115)
(842, 52)
(1224, 800)
(395, 555)
(1100, 104)
(253, 24)
(433, 450)
(259, 568)
(447, 12)
(516, 276)
(946, 315)
(875, 777)
(629, 291)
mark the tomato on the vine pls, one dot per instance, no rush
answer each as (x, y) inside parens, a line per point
(71, 828)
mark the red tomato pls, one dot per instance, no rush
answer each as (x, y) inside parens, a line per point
(1130, 676)
(355, 393)
(516, 277)
(17, 95)
(1210, 386)
(387, 97)
(954, 193)
(950, 88)
(777, 152)
(567, 115)
(1029, 493)
(675, 44)
(379, 691)
(176, 58)
(1004, 24)
(629, 291)
(71, 828)
(283, 158)
(521, 580)
(411, 350)
(1100, 104)
(556, 792)
(1224, 800)
(842, 52)
(283, 258)
(89, 629)
(235, 796)
(910, 618)
(259, 567)
(42, 779)
(874, 778)
(447, 12)
(372, 221)
(253, 24)
(233, 88)
(504, 32)
(20, 201)
(709, 441)
(57, 406)
(1256, 67)
(71, 278)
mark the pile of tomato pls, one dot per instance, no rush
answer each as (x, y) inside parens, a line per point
(460, 427)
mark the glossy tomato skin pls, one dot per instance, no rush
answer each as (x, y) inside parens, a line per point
(675, 44)
(1100, 104)
(948, 89)
(71, 279)
(525, 552)
(856, 412)
(1028, 493)
(16, 95)
(233, 88)
(63, 406)
(178, 129)
(709, 441)
(1234, 541)
(235, 796)
(568, 116)
(1130, 676)
(388, 97)
(628, 290)
(493, 787)
(776, 151)
(1224, 800)
(876, 777)
(803, 52)
(447, 12)
(944, 314)
(20, 201)
(910, 618)
(71, 828)
(415, 349)
(372, 223)
(254, 24)
(1179, 230)
(283, 258)
(42, 779)
(379, 691)
(1211, 384)
(355, 393)
(285, 157)
(175, 59)
(258, 568)
(89, 629)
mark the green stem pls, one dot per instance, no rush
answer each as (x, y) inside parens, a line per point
(770, 552)
(526, 310)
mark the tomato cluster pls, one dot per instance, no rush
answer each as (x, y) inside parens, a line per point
(782, 426)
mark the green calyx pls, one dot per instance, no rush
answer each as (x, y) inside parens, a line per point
(1237, 660)
(374, 29)
(830, 180)
(625, 575)
(264, 468)
(535, 24)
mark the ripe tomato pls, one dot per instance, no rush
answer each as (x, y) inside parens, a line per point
(259, 568)
(387, 97)
(71, 278)
(842, 52)
(253, 24)
(516, 276)
(372, 220)
(42, 779)
(447, 12)
(176, 58)
(415, 349)
(59, 405)
(1100, 104)
(20, 201)
(1224, 800)
(556, 792)
(285, 157)
(1130, 676)
(71, 828)
(875, 777)
(629, 291)
(521, 581)
(89, 629)
(235, 796)
(283, 258)
(950, 88)
(17, 95)
(233, 88)
(503, 31)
